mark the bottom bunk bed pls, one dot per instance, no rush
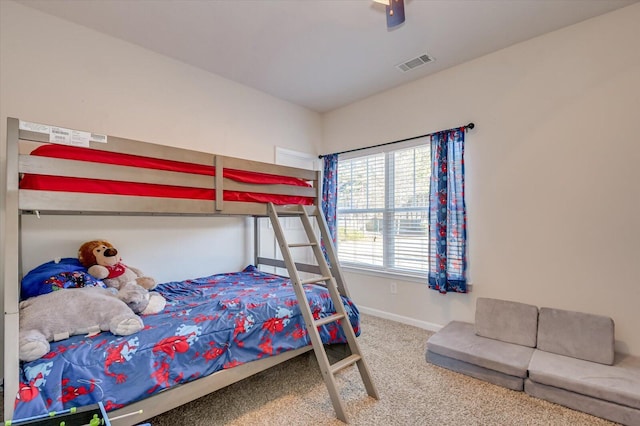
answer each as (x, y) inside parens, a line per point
(214, 331)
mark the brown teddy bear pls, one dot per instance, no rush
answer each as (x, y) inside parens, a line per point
(103, 262)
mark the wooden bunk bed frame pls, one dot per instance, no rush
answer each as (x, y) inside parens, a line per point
(19, 201)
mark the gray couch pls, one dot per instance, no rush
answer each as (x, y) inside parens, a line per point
(561, 356)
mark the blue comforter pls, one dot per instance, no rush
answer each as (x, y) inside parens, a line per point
(209, 324)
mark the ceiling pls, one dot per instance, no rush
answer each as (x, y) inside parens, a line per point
(322, 54)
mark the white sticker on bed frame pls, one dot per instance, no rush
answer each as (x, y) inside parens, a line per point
(69, 137)
(34, 127)
(62, 135)
(98, 138)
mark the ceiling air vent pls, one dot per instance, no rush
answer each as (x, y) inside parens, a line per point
(415, 63)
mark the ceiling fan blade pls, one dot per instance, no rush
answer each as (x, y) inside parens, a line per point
(395, 13)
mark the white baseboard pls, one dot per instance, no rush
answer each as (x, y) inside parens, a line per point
(399, 318)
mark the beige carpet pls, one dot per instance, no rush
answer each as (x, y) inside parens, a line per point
(412, 392)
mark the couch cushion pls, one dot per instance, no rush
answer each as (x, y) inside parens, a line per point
(511, 322)
(619, 383)
(458, 340)
(576, 334)
(473, 370)
(596, 407)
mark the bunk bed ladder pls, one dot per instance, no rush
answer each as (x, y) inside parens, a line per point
(332, 277)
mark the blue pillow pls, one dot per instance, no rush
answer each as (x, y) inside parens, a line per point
(51, 276)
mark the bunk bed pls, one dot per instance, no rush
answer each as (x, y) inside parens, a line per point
(74, 172)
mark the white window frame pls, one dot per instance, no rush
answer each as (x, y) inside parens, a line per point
(385, 270)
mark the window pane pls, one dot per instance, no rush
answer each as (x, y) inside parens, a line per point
(361, 183)
(360, 238)
(411, 170)
(410, 247)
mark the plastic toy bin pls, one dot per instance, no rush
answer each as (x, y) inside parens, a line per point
(90, 415)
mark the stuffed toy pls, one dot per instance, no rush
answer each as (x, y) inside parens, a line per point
(140, 300)
(103, 262)
(66, 312)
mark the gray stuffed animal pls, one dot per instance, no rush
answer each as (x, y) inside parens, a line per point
(103, 262)
(66, 312)
(140, 300)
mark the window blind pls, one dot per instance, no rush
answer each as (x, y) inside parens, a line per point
(382, 213)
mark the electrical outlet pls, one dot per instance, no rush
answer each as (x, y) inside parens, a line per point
(393, 287)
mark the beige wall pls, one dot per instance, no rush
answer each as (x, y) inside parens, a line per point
(553, 173)
(59, 73)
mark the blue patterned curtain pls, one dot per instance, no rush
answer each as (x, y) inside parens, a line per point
(330, 194)
(447, 213)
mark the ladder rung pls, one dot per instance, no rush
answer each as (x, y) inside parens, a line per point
(327, 320)
(303, 245)
(346, 362)
(315, 280)
(289, 213)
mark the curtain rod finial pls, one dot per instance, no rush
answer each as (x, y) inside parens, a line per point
(470, 126)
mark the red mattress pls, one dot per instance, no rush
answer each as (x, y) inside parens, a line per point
(96, 186)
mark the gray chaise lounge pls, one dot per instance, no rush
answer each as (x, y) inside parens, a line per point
(575, 365)
(567, 359)
(496, 348)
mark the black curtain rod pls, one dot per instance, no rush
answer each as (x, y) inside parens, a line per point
(467, 127)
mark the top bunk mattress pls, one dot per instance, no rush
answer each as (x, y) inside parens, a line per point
(44, 182)
(209, 324)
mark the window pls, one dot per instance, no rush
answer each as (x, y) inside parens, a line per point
(383, 209)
